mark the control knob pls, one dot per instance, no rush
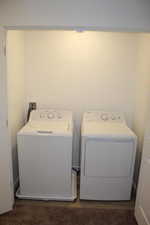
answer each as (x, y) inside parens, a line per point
(104, 117)
(50, 116)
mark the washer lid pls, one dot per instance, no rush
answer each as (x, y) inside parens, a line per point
(107, 130)
(46, 128)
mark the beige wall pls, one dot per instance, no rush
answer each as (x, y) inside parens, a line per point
(82, 71)
(16, 85)
(142, 101)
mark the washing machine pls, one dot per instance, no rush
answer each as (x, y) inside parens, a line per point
(45, 157)
(108, 149)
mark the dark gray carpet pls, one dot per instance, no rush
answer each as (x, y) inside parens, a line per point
(58, 215)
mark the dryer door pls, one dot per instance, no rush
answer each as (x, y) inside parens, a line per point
(109, 159)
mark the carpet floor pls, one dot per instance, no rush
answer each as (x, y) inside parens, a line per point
(62, 215)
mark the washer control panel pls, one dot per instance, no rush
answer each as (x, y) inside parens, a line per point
(49, 115)
(103, 116)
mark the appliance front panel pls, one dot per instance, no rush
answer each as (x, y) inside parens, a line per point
(108, 159)
(45, 165)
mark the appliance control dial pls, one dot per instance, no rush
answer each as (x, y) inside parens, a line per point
(104, 117)
(113, 118)
(50, 115)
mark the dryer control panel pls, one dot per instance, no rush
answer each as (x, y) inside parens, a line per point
(103, 116)
(49, 115)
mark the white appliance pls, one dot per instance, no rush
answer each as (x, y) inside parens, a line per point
(142, 207)
(45, 157)
(107, 157)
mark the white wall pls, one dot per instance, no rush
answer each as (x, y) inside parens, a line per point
(115, 14)
(82, 71)
(16, 88)
(142, 101)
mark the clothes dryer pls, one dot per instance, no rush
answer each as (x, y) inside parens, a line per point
(107, 157)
